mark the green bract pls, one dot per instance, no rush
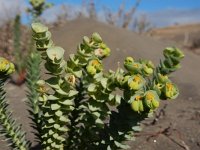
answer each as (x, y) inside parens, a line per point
(151, 99)
(94, 66)
(39, 28)
(147, 67)
(136, 82)
(170, 90)
(55, 54)
(137, 103)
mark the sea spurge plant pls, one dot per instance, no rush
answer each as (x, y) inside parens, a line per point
(78, 106)
(10, 129)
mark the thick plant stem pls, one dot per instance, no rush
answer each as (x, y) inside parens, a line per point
(33, 75)
(73, 139)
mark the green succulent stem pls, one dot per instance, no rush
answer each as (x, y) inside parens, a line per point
(33, 75)
(72, 138)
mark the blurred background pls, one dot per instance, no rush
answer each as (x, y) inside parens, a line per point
(138, 28)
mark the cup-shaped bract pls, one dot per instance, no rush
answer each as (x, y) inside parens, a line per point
(39, 29)
(151, 99)
(137, 102)
(170, 90)
(147, 67)
(55, 54)
(94, 66)
(136, 82)
(162, 78)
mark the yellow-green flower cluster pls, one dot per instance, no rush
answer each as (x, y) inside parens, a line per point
(6, 67)
(147, 67)
(165, 88)
(100, 49)
(143, 67)
(147, 101)
(94, 66)
(136, 82)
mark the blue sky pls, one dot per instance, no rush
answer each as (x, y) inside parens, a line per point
(159, 13)
(146, 5)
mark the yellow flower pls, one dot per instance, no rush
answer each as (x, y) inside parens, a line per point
(136, 103)
(136, 82)
(94, 66)
(151, 99)
(170, 90)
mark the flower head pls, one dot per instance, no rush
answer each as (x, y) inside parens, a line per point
(170, 90)
(6, 67)
(136, 82)
(151, 99)
(137, 103)
(94, 66)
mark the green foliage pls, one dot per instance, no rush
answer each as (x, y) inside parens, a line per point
(33, 75)
(77, 106)
(10, 129)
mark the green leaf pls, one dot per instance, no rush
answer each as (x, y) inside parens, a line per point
(78, 73)
(59, 113)
(63, 129)
(96, 114)
(51, 120)
(122, 146)
(55, 106)
(49, 140)
(51, 132)
(64, 119)
(108, 147)
(52, 97)
(117, 99)
(111, 97)
(60, 91)
(99, 123)
(67, 102)
(92, 88)
(72, 93)
(55, 135)
(53, 82)
(56, 126)
(47, 114)
(137, 128)
(104, 82)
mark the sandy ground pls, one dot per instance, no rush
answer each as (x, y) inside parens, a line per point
(177, 125)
